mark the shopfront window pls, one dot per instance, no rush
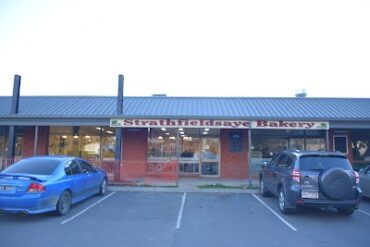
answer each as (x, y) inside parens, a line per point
(90, 143)
(18, 152)
(198, 149)
(266, 143)
(162, 143)
(361, 148)
(2, 146)
(18, 155)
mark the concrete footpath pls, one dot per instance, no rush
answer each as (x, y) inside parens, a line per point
(205, 185)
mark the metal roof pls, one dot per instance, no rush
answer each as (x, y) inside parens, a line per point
(60, 106)
(251, 108)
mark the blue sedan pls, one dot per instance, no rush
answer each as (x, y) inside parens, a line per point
(49, 183)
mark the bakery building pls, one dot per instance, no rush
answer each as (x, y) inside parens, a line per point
(161, 137)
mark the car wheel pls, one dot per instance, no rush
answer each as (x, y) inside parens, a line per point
(263, 190)
(345, 211)
(103, 187)
(283, 203)
(64, 203)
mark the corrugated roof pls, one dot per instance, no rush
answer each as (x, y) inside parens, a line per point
(346, 109)
(62, 106)
(250, 108)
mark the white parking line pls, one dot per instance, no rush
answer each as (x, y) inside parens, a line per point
(276, 214)
(365, 213)
(83, 211)
(179, 217)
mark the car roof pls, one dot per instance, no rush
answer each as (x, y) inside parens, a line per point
(53, 157)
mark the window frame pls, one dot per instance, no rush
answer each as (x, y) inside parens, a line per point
(334, 145)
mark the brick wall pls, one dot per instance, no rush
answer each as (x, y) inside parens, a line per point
(134, 152)
(234, 165)
(29, 139)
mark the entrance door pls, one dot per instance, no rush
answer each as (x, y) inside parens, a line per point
(200, 152)
(210, 163)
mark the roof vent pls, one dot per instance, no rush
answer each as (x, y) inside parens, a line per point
(159, 95)
(300, 93)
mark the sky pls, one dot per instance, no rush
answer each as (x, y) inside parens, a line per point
(241, 48)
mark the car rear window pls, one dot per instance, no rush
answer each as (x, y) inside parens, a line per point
(323, 163)
(34, 166)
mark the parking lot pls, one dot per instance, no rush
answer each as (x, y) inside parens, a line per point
(185, 219)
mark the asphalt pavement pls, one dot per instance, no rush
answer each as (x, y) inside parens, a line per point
(169, 219)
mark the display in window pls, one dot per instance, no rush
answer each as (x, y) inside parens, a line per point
(362, 150)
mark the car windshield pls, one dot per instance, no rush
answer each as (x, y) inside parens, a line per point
(34, 166)
(323, 163)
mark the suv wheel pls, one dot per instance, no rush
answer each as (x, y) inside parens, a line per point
(345, 211)
(283, 203)
(263, 190)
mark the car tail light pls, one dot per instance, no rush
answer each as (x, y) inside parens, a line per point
(357, 177)
(34, 187)
(296, 175)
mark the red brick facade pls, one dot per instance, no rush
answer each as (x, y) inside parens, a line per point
(134, 152)
(234, 164)
(42, 142)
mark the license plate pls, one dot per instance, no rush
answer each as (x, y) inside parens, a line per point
(6, 188)
(310, 194)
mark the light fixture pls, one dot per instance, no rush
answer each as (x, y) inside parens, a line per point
(182, 132)
(163, 129)
(172, 138)
(109, 132)
(205, 133)
(206, 129)
(64, 137)
(98, 128)
(87, 137)
(181, 129)
(75, 136)
(160, 137)
(167, 133)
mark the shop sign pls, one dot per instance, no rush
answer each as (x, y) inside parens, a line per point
(179, 123)
(281, 124)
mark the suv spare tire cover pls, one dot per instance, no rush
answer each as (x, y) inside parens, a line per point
(336, 183)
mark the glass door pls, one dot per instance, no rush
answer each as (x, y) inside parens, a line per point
(199, 149)
(200, 152)
(210, 158)
(189, 157)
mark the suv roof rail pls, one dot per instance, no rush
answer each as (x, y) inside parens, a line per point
(291, 150)
(329, 150)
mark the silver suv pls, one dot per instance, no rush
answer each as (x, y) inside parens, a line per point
(311, 178)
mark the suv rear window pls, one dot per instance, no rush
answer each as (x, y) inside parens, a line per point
(34, 166)
(323, 162)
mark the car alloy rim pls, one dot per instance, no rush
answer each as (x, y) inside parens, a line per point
(261, 187)
(281, 200)
(104, 186)
(65, 203)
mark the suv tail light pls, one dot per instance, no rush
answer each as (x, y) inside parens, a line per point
(357, 177)
(34, 187)
(296, 175)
